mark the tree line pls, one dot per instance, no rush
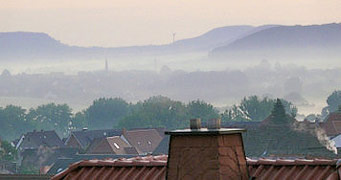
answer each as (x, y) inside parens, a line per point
(156, 111)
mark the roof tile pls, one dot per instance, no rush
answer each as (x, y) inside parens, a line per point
(154, 167)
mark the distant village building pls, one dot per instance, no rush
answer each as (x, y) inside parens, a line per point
(111, 145)
(203, 153)
(332, 124)
(144, 140)
(36, 139)
(83, 138)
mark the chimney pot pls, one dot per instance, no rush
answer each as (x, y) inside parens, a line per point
(214, 123)
(195, 124)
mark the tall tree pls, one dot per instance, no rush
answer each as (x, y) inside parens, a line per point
(79, 121)
(106, 112)
(333, 103)
(13, 122)
(51, 117)
(278, 114)
(201, 109)
(157, 111)
(7, 151)
(253, 108)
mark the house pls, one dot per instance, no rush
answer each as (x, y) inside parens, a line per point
(83, 138)
(144, 140)
(201, 153)
(110, 145)
(35, 139)
(332, 124)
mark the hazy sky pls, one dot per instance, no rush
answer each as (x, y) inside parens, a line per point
(137, 22)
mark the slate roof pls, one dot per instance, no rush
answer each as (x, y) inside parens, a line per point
(145, 141)
(160, 130)
(256, 144)
(154, 167)
(85, 137)
(47, 158)
(33, 140)
(163, 146)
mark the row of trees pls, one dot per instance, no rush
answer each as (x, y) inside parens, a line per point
(157, 111)
(15, 120)
(253, 108)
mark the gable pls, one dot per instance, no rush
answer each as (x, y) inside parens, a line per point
(35, 139)
(85, 137)
(100, 146)
(73, 142)
(144, 141)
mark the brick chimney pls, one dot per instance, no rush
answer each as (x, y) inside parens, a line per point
(200, 153)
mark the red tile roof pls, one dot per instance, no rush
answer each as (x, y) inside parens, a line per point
(154, 167)
(149, 167)
(293, 169)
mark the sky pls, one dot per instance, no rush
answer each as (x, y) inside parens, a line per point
(110, 23)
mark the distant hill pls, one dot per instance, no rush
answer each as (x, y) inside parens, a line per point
(230, 42)
(212, 39)
(17, 46)
(285, 42)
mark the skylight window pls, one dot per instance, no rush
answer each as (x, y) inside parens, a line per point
(116, 145)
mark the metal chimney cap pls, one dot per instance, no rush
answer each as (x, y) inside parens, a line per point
(195, 124)
(214, 123)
